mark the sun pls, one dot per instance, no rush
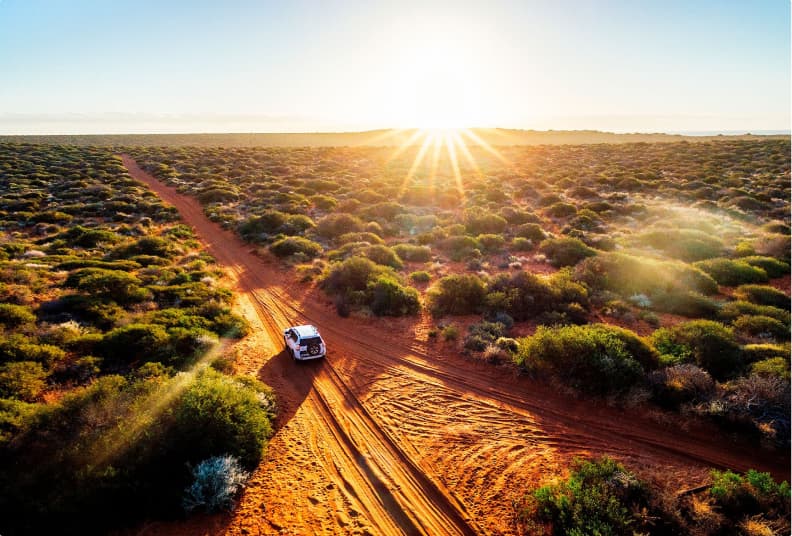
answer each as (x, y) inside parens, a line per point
(435, 87)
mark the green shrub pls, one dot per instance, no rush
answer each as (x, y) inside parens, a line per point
(565, 251)
(773, 267)
(20, 348)
(749, 494)
(420, 276)
(257, 228)
(458, 294)
(413, 253)
(483, 334)
(362, 236)
(599, 497)
(460, 247)
(524, 295)
(351, 275)
(479, 221)
(561, 209)
(450, 332)
(521, 244)
(531, 231)
(629, 275)
(219, 415)
(731, 272)
(13, 316)
(686, 244)
(760, 352)
(761, 326)
(335, 225)
(776, 366)
(685, 303)
(112, 285)
(150, 245)
(133, 343)
(296, 245)
(23, 380)
(382, 254)
(491, 243)
(710, 345)
(731, 310)
(763, 295)
(595, 358)
(389, 298)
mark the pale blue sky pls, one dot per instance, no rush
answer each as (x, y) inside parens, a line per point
(176, 66)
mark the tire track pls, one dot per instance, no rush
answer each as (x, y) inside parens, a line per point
(393, 491)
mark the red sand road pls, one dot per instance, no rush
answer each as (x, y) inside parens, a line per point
(394, 434)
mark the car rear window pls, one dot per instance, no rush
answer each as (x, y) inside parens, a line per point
(310, 340)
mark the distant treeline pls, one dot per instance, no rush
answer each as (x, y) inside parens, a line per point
(493, 136)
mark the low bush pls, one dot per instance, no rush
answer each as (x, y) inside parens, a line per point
(134, 343)
(681, 384)
(759, 352)
(763, 295)
(413, 253)
(460, 247)
(686, 244)
(479, 221)
(524, 295)
(731, 272)
(710, 345)
(595, 358)
(531, 231)
(762, 327)
(458, 294)
(775, 366)
(389, 298)
(218, 415)
(686, 303)
(450, 332)
(491, 243)
(598, 497)
(420, 276)
(382, 254)
(773, 267)
(629, 275)
(565, 251)
(22, 380)
(732, 310)
(751, 493)
(362, 236)
(296, 245)
(216, 482)
(337, 224)
(14, 316)
(483, 334)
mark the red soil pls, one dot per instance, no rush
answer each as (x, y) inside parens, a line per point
(394, 433)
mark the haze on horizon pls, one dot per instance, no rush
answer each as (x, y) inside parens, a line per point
(88, 66)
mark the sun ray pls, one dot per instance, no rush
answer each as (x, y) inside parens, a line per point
(457, 139)
(416, 162)
(405, 145)
(486, 146)
(382, 136)
(438, 142)
(455, 167)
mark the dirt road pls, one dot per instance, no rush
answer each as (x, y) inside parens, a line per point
(394, 434)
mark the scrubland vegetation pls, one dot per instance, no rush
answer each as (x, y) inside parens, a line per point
(110, 318)
(603, 497)
(678, 242)
(644, 272)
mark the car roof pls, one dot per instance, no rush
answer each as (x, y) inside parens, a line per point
(306, 330)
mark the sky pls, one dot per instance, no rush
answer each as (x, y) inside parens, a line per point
(120, 66)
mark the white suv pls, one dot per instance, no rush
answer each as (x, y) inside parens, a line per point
(304, 342)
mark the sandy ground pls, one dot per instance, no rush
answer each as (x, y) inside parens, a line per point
(393, 433)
